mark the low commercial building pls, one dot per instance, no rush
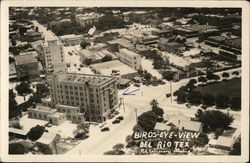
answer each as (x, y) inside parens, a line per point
(27, 65)
(57, 118)
(71, 40)
(40, 112)
(48, 140)
(96, 56)
(192, 31)
(72, 113)
(130, 58)
(32, 36)
(114, 68)
(171, 47)
(115, 45)
(18, 133)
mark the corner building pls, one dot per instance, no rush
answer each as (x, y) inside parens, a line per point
(96, 95)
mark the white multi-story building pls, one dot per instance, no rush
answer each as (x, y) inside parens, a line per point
(87, 19)
(130, 58)
(52, 53)
(95, 95)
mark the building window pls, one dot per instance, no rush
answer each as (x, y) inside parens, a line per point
(76, 93)
(96, 90)
(72, 103)
(75, 87)
(80, 88)
(70, 87)
(66, 87)
(81, 93)
(67, 97)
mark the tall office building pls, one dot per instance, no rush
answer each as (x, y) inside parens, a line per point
(52, 53)
(96, 95)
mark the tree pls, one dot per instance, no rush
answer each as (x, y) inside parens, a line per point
(208, 100)
(107, 58)
(202, 79)
(147, 120)
(236, 103)
(84, 44)
(22, 30)
(199, 113)
(11, 60)
(154, 103)
(169, 76)
(222, 101)
(42, 89)
(117, 150)
(81, 131)
(23, 89)
(192, 81)
(225, 75)
(14, 111)
(16, 125)
(236, 148)
(214, 119)
(194, 97)
(17, 148)
(88, 61)
(210, 76)
(108, 22)
(236, 73)
(158, 111)
(201, 141)
(181, 97)
(190, 86)
(36, 132)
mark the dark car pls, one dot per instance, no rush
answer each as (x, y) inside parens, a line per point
(116, 121)
(137, 85)
(105, 129)
(116, 112)
(120, 118)
(168, 94)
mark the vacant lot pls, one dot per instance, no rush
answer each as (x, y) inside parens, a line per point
(231, 88)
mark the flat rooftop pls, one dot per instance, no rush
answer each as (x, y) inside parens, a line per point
(128, 52)
(26, 58)
(49, 35)
(56, 115)
(106, 68)
(124, 42)
(83, 78)
(43, 109)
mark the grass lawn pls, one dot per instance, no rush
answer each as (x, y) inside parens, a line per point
(232, 88)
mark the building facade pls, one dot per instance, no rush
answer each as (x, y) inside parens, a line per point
(87, 19)
(130, 58)
(95, 95)
(72, 40)
(27, 65)
(52, 53)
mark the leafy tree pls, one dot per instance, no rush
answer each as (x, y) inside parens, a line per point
(140, 71)
(23, 89)
(201, 141)
(199, 113)
(42, 89)
(84, 44)
(117, 150)
(222, 101)
(190, 86)
(158, 111)
(214, 119)
(236, 148)
(17, 148)
(16, 125)
(194, 97)
(193, 81)
(236, 103)
(216, 77)
(147, 120)
(208, 100)
(202, 79)
(107, 58)
(225, 75)
(81, 131)
(35, 98)
(210, 76)
(119, 146)
(154, 103)
(11, 60)
(22, 30)
(36, 132)
(14, 111)
(236, 73)
(108, 22)
(169, 76)
(182, 97)
(88, 61)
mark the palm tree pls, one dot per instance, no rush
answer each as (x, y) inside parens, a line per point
(154, 103)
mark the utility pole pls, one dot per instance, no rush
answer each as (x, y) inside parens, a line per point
(123, 104)
(136, 115)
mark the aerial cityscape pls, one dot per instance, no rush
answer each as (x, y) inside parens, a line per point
(125, 81)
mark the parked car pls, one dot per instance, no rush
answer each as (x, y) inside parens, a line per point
(188, 105)
(168, 95)
(116, 112)
(46, 130)
(105, 129)
(116, 121)
(111, 116)
(48, 125)
(120, 118)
